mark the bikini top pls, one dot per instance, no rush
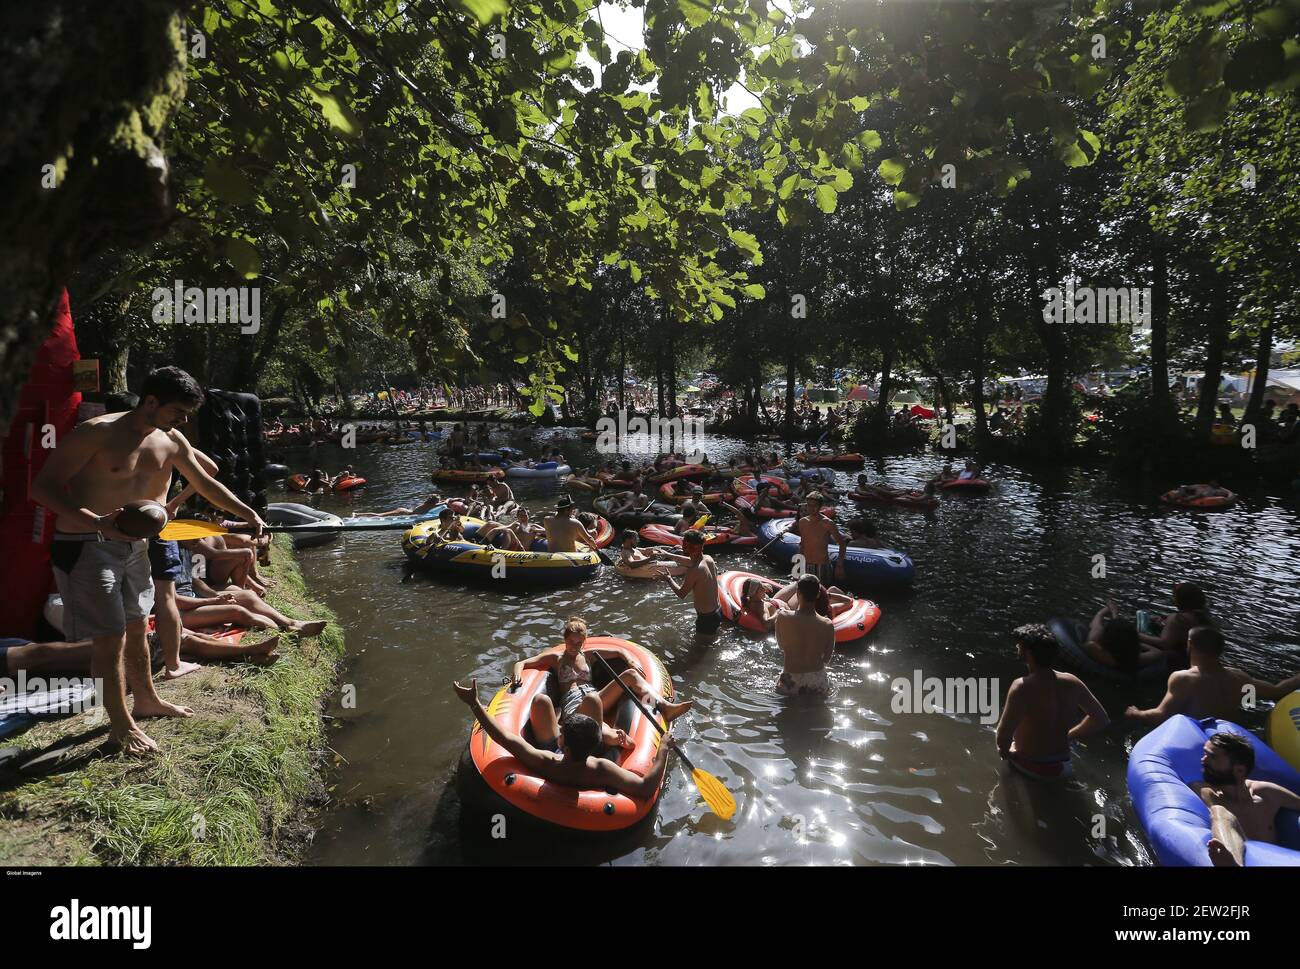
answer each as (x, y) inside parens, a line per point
(569, 674)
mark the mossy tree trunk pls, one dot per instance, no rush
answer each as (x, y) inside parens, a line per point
(90, 89)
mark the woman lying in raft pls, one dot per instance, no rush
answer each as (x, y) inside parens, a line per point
(580, 698)
(1115, 642)
(763, 606)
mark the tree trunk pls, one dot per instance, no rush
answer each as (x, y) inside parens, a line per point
(977, 390)
(622, 364)
(1160, 324)
(672, 371)
(1263, 354)
(790, 375)
(1214, 349)
(882, 401)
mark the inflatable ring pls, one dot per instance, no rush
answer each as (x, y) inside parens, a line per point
(347, 484)
(850, 460)
(921, 502)
(1175, 819)
(656, 513)
(466, 558)
(567, 807)
(968, 485)
(664, 535)
(666, 493)
(1210, 502)
(468, 477)
(543, 469)
(852, 622)
(862, 565)
(748, 485)
(1070, 637)
(1283, 730)
(678, 473)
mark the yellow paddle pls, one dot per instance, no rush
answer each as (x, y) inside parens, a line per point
(715, 794)
(189, 529)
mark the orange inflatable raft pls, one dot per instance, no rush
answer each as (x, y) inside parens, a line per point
(469, 477)
(568, 807)
(1207, 502)
(852, 621)
(664, 535)
(668, 492)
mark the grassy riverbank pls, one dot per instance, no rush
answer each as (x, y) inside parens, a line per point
(232, 786)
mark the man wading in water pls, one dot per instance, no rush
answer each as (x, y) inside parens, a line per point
(807, 639)
(816, 532)
(701, 580)
(563, 532)
(103, 574)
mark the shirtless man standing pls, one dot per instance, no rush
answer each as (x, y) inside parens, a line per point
(102, 574)
(816, 532)
(700, 581)
(1240, 809)
(807, 639)
(1207, 688)
(1041, 713)
(563, 531)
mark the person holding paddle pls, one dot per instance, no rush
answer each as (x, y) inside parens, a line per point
(102, 573)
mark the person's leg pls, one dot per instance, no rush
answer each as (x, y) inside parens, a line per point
(55, 657)
(545, 724)
(1227, 845)
(167, 624)
(106, 668)
(203, 646)
(255, 604)
(205, 617)
(612, 692)
(139, 677)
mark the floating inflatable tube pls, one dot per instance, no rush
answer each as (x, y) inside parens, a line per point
(968, 485)
(604, 535)
(289, 513)
(583, 483)
(656, 513)
(850, 460)
(916, 503)
(1210, 502)
(666, 493)
(468, 559)
(543, 469)
(862, 565)
(1284, 729)
(467, 477)
(678, 473)
(567, 807)
(852, 622)
(664, 535)
(746, 502)
(1070, 637)
(1175, 819)
(349, 484)
(748, 485)
(275, 472)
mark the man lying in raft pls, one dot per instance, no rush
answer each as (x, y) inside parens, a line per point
(887, 493)
(1211, 490)
(1241, 810)
(1207, 688)
(700, 581)
(572, 673)
(764, 499)
(563, 531)
(816, 532)
(807, 641)
(1041, 713)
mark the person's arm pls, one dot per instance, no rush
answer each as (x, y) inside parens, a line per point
(50, 488)
(687, 584)
(542, 661)
(208, 486)
(1095, 718)
(1175, 702)
(1274, 691)
(529, 757)
(586, 537)
(1278, 795)
(642, 787)
(208, 465)
(1012, 712)
(829, 649)
(1172, 636)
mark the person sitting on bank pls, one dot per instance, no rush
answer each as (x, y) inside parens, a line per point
(807, 641)
(1115, 642)
(1207, 688)
(1240, 809)
(1041, 713)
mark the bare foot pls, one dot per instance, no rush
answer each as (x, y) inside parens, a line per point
(182, 668)
(161, 708)
(133, 741)
(264, 648)
(672, 711)
(1220, 856)
(314, 628)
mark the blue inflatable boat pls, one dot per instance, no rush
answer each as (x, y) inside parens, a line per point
(861, 565)
(1176, 821)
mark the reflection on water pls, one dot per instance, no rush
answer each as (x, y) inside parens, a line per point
(846, 781)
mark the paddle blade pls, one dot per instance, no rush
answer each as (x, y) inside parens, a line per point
(715, 795)
(188, 529)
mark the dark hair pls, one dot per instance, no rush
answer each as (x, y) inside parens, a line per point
(1237, 747)
(581, 734)
(1038, 640)
(863, 526)
(693, 536)
(116, 403)
(172, 385)
(1119, 637)
(809, 586)
(1189, 597)
(1206, 639)
(628, 533)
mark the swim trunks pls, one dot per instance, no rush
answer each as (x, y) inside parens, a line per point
(165, 560)
(814, 683)
(185, 578)
(1046, 768)
(823, 571)
(573, 699)
(708, 622)
(104, 584)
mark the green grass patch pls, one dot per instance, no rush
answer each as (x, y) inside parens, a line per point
(232, 786)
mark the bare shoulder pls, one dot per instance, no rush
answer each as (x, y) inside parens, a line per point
(1268, 791)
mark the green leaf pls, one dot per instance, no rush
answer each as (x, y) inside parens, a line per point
(696, 12)
(754, 291)
(338, 114)
(827, 197)
(484, 11)
(243, 255)
(892, 170)
(227, 182)
(1206, 112)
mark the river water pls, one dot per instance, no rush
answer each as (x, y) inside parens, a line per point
(844, 781)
